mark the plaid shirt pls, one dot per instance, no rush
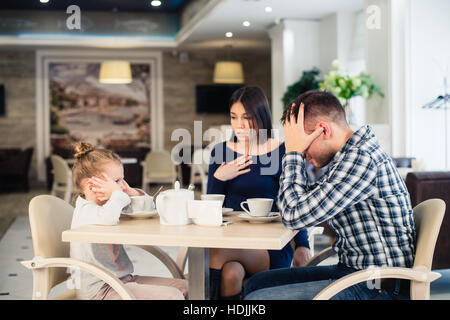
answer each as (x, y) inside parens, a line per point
(361, 196)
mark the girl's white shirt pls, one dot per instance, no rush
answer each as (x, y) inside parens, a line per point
(110, 256)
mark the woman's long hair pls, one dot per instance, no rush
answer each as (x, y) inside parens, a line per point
(257, 108)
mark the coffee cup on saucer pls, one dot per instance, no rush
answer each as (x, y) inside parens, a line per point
(205, 212)
(258, 207)
(142, 203)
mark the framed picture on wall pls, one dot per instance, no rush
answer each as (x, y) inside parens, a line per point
(114, 116)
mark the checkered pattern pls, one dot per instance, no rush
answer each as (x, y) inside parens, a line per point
(363, 198)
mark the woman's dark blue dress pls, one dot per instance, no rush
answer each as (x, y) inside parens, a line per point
(261, 182)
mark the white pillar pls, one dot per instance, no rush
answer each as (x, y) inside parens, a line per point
(387, 60)
(295, 48)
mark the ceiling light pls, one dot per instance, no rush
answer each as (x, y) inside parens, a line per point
(246, 23)
(156, 3)
(44, 1)
(115, 71)
(268, 9)
(228, 34)
(228, 72)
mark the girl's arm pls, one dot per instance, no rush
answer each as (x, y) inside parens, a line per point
(107, 214)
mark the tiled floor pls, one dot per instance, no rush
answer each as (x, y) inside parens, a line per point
(16, 281)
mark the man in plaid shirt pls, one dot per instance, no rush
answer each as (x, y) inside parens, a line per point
(361, 196)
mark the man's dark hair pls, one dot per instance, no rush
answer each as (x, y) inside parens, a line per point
(317, 104)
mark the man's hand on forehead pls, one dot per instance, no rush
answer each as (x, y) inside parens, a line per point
(296, 139)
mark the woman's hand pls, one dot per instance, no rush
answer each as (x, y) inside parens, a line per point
(230, 170)
(301, 257)
(103, 187)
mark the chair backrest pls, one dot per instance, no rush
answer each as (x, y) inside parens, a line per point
(19, 161)
(49, 217)
(61, 171)
(28, 156)
(428, 216)
(159, 161)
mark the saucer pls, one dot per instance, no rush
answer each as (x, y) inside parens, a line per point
(223, 224)
(273, 216)
(226, 211)
(142, 214)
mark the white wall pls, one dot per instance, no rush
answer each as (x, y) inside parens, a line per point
(328, 42)
(342, 38)
(377, 64)
(430, 55)
(295, 48)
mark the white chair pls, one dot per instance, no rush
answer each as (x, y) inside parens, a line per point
(158, 168)
(49, 217)
(199, 167)
(428, 217)
(62, 178)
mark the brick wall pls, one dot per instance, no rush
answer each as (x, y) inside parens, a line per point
(180, 80)
(17, 73)
(18, 127)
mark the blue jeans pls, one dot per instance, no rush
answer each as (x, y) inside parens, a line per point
(304, 283)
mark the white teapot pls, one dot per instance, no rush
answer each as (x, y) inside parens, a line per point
(172, 205)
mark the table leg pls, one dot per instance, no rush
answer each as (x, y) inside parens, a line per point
(198, 262)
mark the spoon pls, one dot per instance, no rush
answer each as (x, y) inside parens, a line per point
(191, 187)
(154, 195)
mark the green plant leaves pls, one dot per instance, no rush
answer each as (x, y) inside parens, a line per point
(308, 81)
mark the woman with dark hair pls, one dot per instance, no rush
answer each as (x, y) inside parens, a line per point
(248, 166)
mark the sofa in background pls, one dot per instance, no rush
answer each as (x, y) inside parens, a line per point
(14, 169)
(424, 185)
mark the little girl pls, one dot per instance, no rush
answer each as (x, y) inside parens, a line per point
(103, 195)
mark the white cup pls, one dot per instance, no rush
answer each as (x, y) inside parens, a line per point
(142, 203)
(205, 212)
(220, 197)
(258, 207)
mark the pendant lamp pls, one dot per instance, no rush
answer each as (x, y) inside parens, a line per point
(115, 72)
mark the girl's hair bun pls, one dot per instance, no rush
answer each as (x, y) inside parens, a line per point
(82, 148)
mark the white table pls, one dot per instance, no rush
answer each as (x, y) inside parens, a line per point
(238, 235)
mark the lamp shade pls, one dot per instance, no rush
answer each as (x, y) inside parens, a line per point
(228, 72)
(115, 71)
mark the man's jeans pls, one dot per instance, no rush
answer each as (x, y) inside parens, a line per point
(304, 283)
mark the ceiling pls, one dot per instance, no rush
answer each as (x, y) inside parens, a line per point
(229, 15)
(94, 5)
(205, 31)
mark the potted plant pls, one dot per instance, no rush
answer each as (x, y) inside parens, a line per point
(308, 81)
(345, 87)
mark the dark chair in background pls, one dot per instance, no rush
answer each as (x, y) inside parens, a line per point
(427, 185)
(14, 169)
